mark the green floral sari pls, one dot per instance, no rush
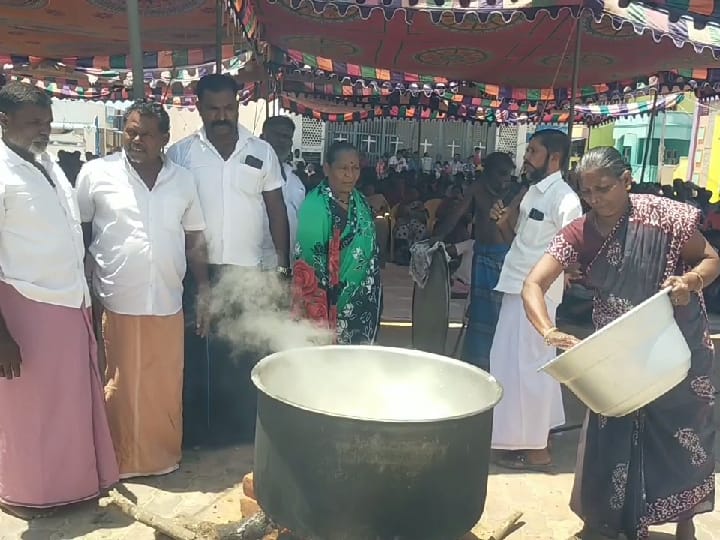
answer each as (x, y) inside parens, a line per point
(336, 275)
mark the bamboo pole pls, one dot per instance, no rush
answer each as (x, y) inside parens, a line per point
(575, 77)
(136, 55)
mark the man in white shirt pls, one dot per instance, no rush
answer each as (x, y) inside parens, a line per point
(402, 164)
(457, 166)
(427, 163)
(146, 221)
(239, 182)
(278, 131)
(393, 163)
(532, 402)
(55, 445)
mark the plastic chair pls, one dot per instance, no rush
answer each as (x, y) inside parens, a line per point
(393, 219)
(432, 206)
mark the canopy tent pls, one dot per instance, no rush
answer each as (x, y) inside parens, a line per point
(95, 33)
(521, 44)
(100, 33)
(591, 115)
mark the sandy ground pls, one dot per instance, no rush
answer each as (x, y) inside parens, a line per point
(206, 487)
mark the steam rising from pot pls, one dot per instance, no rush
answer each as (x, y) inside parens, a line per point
(252, 310)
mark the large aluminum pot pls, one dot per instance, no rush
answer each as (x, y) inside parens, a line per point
(369, 443)
(629, 363)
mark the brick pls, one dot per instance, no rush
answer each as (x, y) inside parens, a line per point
(248, 507)
(248, 485)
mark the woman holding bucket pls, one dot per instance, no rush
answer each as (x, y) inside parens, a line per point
(656, 465)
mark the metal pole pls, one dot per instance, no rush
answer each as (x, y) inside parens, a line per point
(419, 113)
(382, 147)
(649, 139)
(693, 143)
(575, 75)
(218, 35)
(661, 147)
(136, 55)
(267, 97)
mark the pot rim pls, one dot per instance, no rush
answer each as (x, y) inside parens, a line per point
(256, 379)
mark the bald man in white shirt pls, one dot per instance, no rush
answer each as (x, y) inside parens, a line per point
(55, 445)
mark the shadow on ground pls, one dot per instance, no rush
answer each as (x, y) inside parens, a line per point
(76, 521)
(205, 489)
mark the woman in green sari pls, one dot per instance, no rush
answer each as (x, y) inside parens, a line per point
(336, 275)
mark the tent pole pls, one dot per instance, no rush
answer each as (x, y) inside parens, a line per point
(575, 75)
(419, 115)
(136, 55)
(267, 97)
(218, 36)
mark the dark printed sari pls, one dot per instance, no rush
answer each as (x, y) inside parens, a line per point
(656, 465)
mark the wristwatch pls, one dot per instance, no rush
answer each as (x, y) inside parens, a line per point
(284, 271)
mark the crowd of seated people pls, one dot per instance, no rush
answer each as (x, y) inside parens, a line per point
(409, 202)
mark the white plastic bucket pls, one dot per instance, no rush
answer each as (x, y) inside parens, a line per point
(629, 363)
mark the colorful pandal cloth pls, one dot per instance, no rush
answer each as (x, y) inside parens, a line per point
(484, 304)
(143, 392)
(55, 445)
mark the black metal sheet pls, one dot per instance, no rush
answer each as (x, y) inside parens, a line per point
(431, 307)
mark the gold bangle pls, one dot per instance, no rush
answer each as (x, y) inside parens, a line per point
(549, 331)
(700, 278)
(546, 334)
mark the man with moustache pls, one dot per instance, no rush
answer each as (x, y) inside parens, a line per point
(239, 182)
(532, 402)
(279, 131)
(55, 445)
(144, 222)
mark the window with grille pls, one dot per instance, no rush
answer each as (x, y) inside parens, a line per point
(671, 157)
(312, 134)
(507, 139)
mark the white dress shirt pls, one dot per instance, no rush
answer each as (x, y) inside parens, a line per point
(138, 234)
(546, 208)
(294, 194)
(231, 193)
(41, 242)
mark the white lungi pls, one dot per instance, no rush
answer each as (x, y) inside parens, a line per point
(532, 401)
